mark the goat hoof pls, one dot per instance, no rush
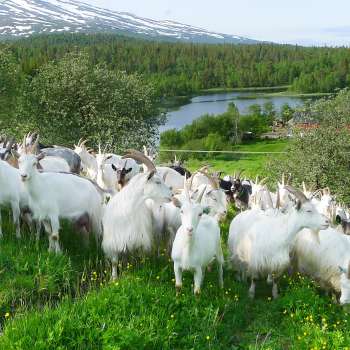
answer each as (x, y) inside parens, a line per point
(197, 291)
(178, 289)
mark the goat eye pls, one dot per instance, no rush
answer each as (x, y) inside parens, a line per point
(200, 214)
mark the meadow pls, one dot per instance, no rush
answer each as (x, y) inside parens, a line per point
(251, 164)
(67, 301)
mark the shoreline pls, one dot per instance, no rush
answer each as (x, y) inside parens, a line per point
(173, 103)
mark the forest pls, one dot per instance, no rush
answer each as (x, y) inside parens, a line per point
(184, 68)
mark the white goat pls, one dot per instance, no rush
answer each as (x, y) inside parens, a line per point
(260, 244)
(196, 244)
(49, 163)
(106, 177)
(11, 193)
(174, 180)
(127, 221)
(53, 196)
(54, 164)
(125, 170)
(89, 163)
(214, 198)
(167, 218)
(328, 260)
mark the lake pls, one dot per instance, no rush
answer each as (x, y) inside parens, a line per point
(218, 103)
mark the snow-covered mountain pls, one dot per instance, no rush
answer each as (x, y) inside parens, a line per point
(21, 18)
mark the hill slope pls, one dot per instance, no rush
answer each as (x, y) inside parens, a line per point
(20, 18)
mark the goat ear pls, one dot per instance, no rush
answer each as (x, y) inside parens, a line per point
(114, 167)
(150, 175)
(176, 202)
(40, 156)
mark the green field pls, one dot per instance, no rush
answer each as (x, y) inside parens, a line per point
(68, 302)
(251, 164)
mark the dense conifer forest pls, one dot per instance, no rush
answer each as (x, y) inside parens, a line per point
(181, 69)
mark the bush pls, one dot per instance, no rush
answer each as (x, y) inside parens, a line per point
(70, 99)
(320, 156)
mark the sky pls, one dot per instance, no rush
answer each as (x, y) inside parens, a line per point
(304, 22)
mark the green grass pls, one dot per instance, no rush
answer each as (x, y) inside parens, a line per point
(252, 164)
(67, 302)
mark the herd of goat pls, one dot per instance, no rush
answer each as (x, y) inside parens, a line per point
(131, 205)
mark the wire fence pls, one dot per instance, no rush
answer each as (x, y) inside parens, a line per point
(217, 152)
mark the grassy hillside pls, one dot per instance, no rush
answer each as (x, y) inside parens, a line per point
(68, 302)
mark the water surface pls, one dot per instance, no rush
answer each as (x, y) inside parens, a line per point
(218, 103)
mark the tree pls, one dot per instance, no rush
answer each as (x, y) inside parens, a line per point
(71, 98)
(286, 112)
(234, 114)
(9, 87)
(320, 156)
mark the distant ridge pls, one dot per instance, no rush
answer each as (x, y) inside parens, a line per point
(22, 18)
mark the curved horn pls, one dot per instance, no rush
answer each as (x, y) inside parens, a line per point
(25, 148)
(200, 196)
(212, 181)
(204, 168)
(145, 151)
(278, 201)
(262, 182)
(298, 194)
(139, 156)
(35, 146)
(187, 193)
(166, 173)
(269, 198)
(304, 187)
(190, 180)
